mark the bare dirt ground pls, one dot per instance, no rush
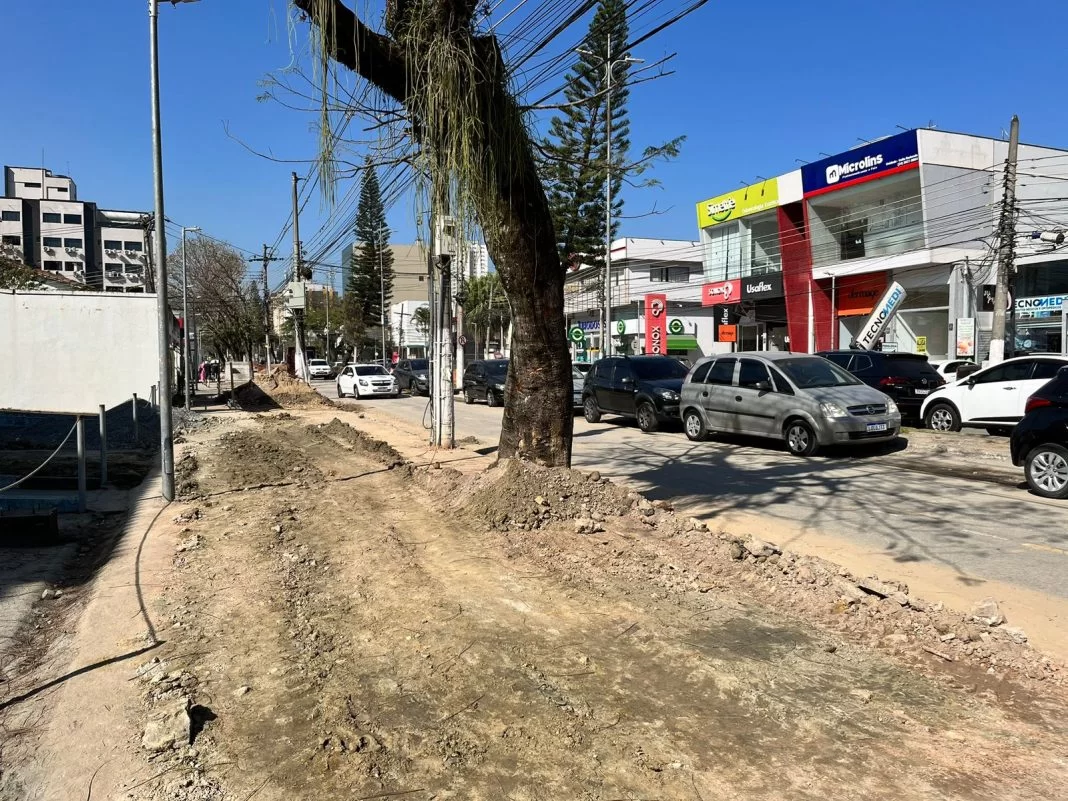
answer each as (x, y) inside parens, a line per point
(323, 616)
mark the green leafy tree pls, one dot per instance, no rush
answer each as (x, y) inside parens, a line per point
(371, 270)
(575, 157)
(16, 275)
(421, 320)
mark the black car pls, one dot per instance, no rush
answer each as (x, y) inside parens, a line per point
(1039, 442)
(413, 375)
(908, 378)
(643, 387)
(484, 380)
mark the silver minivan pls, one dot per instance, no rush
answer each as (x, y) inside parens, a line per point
(806, 401)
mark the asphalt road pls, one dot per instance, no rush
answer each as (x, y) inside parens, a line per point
(971, 518)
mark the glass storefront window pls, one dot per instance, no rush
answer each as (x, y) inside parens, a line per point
(876, 219)
(749, 246)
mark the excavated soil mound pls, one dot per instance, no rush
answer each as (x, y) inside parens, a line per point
(278, 390)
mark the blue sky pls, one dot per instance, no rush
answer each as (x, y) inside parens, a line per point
(757, 85)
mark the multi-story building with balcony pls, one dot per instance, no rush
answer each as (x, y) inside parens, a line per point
(45, 225)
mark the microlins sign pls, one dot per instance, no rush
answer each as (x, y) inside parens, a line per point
(874, 160)
(656, 324)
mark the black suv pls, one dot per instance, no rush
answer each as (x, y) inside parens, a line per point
(643, 387)
(1040, 440)
(908, 378)
(485, 379)
(413, 375)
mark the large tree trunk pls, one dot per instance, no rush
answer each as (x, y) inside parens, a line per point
(511, 207)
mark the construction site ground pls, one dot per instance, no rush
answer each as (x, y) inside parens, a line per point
(331, 610)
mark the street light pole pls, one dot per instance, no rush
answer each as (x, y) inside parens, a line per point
(186, 373)
(609, 67)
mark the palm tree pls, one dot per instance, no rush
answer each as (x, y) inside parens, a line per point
(421, 320)
(486, 308)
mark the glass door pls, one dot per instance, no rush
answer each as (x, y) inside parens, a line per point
(752, 336)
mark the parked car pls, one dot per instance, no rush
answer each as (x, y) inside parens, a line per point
(320, 368)
(484, 380)
(366, 380)
(806, 401)
(642, 387)
(908, 378)
(948, 370)
(413, 375)
(582, 367)
(994, 398)
(1039, 442)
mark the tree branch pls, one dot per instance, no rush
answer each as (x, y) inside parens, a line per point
(352, 44)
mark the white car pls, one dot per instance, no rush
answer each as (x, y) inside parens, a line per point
(993, 398)
(948, 370)
(366, 381)
(319, 368)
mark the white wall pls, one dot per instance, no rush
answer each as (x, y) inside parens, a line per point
(71, 352)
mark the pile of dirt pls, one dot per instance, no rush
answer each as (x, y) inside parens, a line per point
(279, 390)
(358, 440)
(517, 496)
(657, 547)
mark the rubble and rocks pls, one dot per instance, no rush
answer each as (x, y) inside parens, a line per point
(988, 613)
(169, 729)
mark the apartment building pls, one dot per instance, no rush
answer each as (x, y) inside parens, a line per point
(45, 225)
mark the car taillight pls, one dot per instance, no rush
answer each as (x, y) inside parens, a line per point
(894, 381)
(1036, 402)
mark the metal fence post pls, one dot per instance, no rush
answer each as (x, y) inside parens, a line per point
(79, 424)
(103, 446)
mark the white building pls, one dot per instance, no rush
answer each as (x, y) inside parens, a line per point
(642, 267)
(477, 263)
(43, 224)
(409, 338)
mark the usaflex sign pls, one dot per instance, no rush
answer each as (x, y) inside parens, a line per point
(762, 286)
(731, 206)
(876, 160)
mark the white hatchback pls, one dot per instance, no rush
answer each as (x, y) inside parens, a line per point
(366, 380)
(993, 398)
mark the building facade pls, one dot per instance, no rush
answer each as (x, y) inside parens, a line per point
(800, 260)
(44, 225)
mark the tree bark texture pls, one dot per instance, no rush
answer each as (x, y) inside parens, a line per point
(511, 206)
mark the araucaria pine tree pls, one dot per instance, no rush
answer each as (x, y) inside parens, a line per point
(576, 161)
(371, 273)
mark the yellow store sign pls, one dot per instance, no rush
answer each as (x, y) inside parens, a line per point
(731, 206)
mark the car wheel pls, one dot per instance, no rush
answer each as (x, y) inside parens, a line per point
(694, 425)
(492, 399)
(590, 411)
(647, 421)
(468, 397)
(999, 431)
(340, 394)
(1046, 469)
(800, 438)
(942, 417)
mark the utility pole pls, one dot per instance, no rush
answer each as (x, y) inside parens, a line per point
(163, 311)
(382, 289)
(298, 275)
(187, 368)
(266, 259)
(1007, 232)
(606, 314)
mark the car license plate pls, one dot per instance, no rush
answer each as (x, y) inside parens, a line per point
(876, 427)
(923, 392)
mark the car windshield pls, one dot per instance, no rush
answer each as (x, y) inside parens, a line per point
(577, 373)
(658, 369)
(420, 364)
(371, 369)
(811, 372)
(317, 362)
(497, 369)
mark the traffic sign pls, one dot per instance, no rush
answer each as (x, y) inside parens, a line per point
(462, 340)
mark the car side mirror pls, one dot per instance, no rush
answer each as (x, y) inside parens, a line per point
(626, 380)
(762, 386)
